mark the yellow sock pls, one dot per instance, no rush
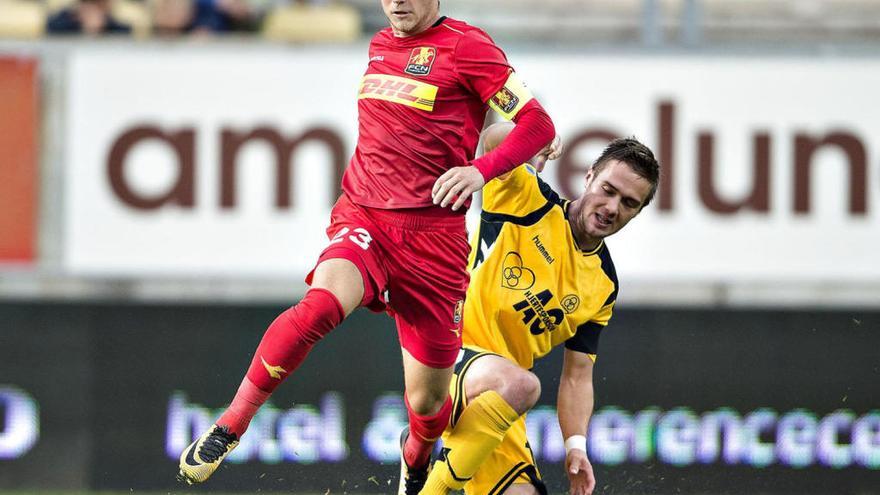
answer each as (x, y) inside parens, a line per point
(478, 431)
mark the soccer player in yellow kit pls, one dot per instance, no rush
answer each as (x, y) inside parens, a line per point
(541, 276)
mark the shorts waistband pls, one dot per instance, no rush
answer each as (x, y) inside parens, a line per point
(422, 219)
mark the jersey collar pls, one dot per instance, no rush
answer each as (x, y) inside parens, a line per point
(409, 40)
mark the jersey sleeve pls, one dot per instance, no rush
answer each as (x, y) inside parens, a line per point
(483, 68)
(586, 337)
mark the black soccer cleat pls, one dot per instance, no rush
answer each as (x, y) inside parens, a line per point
(199, 461)
(412, 480)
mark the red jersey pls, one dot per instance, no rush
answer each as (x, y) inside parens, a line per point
(421, 107)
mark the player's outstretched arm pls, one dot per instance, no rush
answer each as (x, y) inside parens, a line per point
(493, 136)
(468, 180)
(533, 132)
(459, 183)
(449, 186)
(575, 405)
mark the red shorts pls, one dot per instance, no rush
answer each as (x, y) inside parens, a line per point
(414, 265)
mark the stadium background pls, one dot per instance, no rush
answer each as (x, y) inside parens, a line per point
(161, 199)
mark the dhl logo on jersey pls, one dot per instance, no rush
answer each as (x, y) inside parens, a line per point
(401, 90)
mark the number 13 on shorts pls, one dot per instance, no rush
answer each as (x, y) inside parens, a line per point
(359, 236)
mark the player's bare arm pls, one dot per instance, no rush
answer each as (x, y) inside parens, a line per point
(575, 405)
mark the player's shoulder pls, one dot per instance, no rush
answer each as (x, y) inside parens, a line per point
(521, 180)
(528, 179)
(464, 31)
(460, 26)
(521, 193)
(607, 264)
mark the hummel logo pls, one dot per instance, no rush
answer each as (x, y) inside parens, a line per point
(377, 58)
(274, 371)
(543, 250)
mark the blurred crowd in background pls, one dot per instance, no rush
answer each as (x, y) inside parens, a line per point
(651, 22)
(316, 20)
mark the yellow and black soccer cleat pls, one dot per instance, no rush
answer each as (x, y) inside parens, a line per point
(199, 461)
(412, 480)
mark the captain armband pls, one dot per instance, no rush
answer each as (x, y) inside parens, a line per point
(510, 99)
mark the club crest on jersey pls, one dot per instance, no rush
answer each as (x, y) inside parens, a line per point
(457, 312)
(505, 100)
(420, 61)
(570, 303)
(514, 274)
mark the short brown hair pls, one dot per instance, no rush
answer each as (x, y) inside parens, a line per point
(639, 157)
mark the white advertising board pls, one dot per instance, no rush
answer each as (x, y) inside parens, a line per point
(121, 225)
(772, 165)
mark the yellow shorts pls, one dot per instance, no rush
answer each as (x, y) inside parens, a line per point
(512, 461)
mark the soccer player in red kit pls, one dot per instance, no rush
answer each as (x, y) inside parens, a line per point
(397, 234)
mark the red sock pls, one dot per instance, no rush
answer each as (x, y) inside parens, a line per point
(424, 432)
(285, 344)
(244, 407)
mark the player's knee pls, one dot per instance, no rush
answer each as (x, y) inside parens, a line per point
(425, 402)
(521, 390)
(343, 279)
(531, 387)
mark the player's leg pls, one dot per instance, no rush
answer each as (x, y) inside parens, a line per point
(428, 406)
(510, 468)
(498, 392)
(427, 264)
(337, 289)
(349, 274)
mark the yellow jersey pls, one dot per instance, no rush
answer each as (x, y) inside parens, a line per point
(532, 288)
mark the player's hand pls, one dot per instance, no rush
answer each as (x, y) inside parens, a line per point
(457, 184)
(550, 152)
(580, 472)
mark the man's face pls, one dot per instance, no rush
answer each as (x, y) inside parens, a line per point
(409, 17)
(614, 196)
